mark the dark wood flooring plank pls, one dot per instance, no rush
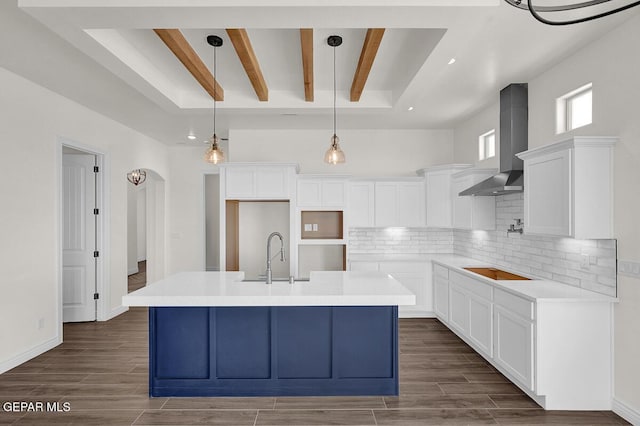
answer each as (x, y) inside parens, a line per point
(197, 417)
(434, 417)
(315, 417)
(439, 401)
(330, 402)
(559, 418)
(226, 403)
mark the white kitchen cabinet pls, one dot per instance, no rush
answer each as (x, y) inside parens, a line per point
(470, 311)
(513, 345)
(472, 212)
(568, 188)
(438, 194)
(441, 292)
(557, 350)
(251, 181)
(321, 192)
(415, 276)
(399, 203)
(360, 210)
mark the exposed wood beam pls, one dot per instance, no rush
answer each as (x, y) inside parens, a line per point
(306, 43)
(367, 56)
(180, 47)
(242, 44)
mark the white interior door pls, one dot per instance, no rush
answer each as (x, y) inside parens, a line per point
(79, 238)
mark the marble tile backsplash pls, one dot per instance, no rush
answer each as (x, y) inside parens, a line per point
(409, 241)
(589, 264)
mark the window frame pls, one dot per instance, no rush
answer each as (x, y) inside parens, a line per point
(483, 150)
(564, 109)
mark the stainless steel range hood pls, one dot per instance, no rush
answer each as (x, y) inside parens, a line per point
(513, 139)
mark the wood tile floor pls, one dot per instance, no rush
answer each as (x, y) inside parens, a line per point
(101, 371)
(139, 279)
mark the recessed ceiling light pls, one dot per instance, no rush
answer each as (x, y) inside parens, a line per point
(451, 61)
(191, 137)
(410, 108)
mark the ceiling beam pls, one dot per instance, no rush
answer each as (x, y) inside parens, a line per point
(242, 44)
(306, 43)
(367, 56)
(181, 48)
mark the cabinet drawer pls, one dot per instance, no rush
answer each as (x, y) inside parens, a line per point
(515, 304)
(474, 286)
(440, 271)
(404, 267)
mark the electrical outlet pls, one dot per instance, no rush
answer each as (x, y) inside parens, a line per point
(308, 227)
(315, 226)
(584, 261)
(629, 268)
(40, 323)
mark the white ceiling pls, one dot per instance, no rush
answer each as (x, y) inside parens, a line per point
(105, 55)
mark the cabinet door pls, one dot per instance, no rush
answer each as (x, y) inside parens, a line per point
(309, 193)
(333, 193)
(513, 345)
(438, 199)
(461, 205)
(361, 204)
(386, 204)
(480, 324)
(547, 197)
(240, 182)
(458, 309)
(441, 297)
(272, 182)
(411, 204)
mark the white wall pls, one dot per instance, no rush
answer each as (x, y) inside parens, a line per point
(33, 119)
(141, 221)
(132, 230)
(257, 220)
(212, 221)
(613, 66)
(368, 152)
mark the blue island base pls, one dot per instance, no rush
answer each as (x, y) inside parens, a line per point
(273, 351)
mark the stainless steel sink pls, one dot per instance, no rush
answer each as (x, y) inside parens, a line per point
(496, 274)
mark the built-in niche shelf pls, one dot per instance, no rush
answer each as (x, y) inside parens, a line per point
(321, 225)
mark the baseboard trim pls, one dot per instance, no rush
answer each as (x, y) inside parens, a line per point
(625, 411)
(115, 312)
(30, 354)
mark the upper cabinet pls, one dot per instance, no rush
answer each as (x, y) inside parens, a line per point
(568, 188)
(439, 195)
(254, 181)
(386, 203)
(472, 212)
(399, 203)
(325, 191)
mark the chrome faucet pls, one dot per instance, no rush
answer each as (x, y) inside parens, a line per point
(279, 235)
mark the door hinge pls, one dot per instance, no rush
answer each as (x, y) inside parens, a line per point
(96, 296)
(96, 254)
(96, 211)
(96, 169)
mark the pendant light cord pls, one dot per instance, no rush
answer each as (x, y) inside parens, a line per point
(334, 90)
(215, 73)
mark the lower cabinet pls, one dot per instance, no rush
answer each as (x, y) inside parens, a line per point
(557, 350)
(513, 345)
(415, 276)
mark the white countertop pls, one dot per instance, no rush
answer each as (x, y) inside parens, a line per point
(227, 289)
(538, 290)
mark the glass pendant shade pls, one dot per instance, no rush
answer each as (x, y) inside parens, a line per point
(214, 154)
(137, 176)
(334, 154)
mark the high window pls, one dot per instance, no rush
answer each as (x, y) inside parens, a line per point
(487, 145)
(574, 109)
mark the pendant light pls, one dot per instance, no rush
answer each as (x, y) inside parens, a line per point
(334, 154)
(214, 154)
(137, 176)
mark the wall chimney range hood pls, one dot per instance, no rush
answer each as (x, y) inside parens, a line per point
(513, 140)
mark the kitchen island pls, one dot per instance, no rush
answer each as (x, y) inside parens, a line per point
(211, 334)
